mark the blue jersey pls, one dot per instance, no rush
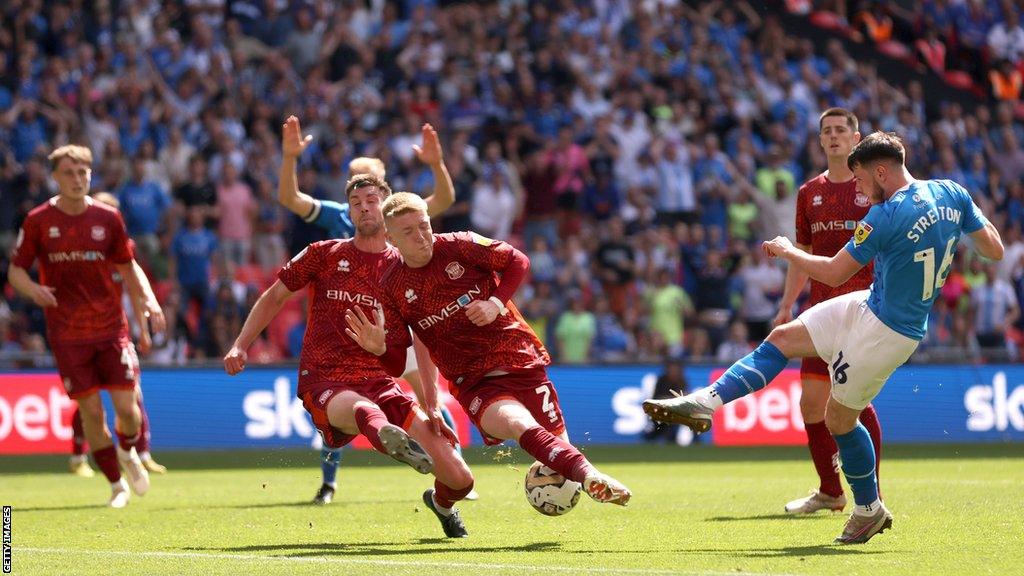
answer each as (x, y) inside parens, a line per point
(333, 217)
(913, 237)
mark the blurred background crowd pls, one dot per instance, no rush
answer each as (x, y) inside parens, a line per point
(637, 151)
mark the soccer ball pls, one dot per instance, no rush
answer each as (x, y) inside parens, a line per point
(549, 492)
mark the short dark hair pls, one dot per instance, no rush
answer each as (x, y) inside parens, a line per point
(851, 118)
(877, 146)
(363, 180)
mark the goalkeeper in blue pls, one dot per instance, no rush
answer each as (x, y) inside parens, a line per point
(334, 217)
(911, 231)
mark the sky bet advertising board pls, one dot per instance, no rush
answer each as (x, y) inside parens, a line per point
(205, 409)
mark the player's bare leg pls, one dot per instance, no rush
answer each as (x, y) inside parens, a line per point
(510, 420)
(101, 443)
(412, 376)
(353, 413)
(78, 464)
(824, 452)
(454, 481)
(129, 419)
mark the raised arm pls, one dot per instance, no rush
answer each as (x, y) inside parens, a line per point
(293, 144)
(430, 154)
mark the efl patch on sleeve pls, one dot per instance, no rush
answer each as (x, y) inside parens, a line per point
(861, 233)
(481, 240)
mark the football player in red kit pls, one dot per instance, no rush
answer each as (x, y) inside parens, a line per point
(828, 209)
(343, 387)
(447, 289)
(76, 241)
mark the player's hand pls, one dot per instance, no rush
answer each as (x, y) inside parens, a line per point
(43, 295)
(430, 152)
(365, 332)
(234, 362)
(482, 312)
(155, 316)
(293, 144)
(778, 246)
(784, 316)
(440, 427)
(145, 343)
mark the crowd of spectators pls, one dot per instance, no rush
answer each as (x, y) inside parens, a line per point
(637, 151)
(973, 44)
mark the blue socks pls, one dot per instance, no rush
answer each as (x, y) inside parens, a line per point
(330, 458)
(450, 421)
(858, 456)
(750, 373)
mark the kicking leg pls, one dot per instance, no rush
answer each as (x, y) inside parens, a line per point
(511, 420)
(748, 375)
(353, 413)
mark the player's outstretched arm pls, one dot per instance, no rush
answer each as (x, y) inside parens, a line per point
(293, 144)
(42, 295)
(795, 281)
(265, 309)
(430, 153)
(987, 242)
(831, 271)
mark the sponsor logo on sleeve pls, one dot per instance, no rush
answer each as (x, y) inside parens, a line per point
(481, 240)
(861, 233)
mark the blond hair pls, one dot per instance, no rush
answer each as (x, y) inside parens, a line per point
(402, 203)
(72, 151)
(108, 199)
(366, 165)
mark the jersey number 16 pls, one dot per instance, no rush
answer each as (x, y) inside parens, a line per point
(933, 280)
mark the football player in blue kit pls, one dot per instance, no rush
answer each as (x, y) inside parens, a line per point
(911, 232)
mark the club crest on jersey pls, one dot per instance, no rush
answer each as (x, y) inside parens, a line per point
(816, 201)
(454, 270)
(343, 266)
(410, 296)
(861, 233)
(54, 232)
(862, 200)
(323, 397)
(98, 233)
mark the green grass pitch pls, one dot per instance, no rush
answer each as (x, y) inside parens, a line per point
(697, 511)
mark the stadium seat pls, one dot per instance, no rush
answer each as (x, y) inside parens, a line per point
(959, 79)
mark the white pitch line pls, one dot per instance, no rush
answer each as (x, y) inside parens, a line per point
(394, 563)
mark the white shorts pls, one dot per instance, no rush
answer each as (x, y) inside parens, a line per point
(860, 350)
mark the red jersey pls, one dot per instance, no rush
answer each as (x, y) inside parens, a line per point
(431, 300)
(76, 255)
(826, 214)
(341, 277)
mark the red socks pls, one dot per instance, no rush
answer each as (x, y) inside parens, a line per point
(446, 497)
(869, 418)
(77, 434)
(825, 454)
(370, 421)
(143, 444)
(555, 453)
(128, 442)
(106, 459)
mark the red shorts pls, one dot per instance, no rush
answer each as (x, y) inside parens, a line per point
(397, 406)
(86, 368)
(814, 368)
(531, 388)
